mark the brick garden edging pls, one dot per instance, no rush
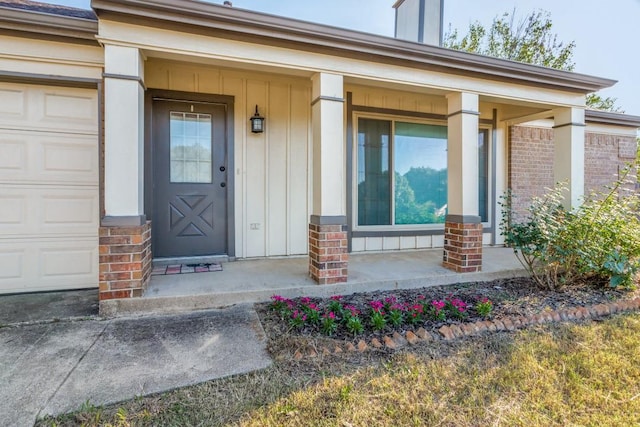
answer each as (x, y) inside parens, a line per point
(454, 331)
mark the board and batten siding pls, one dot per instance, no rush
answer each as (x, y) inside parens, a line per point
(272, 169)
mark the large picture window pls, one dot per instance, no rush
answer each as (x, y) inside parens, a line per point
(402, 173)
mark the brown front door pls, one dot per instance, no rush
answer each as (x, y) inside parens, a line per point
(190, 179)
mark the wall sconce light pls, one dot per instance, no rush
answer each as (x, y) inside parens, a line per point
(257, 122)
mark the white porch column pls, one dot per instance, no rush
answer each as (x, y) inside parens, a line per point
(462, 154)
(568, 164)
(124, 136)
(463, 228)
(328, 250)
(125, 234)
(329, 184)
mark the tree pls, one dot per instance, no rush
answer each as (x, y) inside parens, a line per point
(528, 40)
(596, 101)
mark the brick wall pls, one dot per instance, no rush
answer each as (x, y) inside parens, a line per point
(530, 164)
(125, 261)
(328, 253)
(531, 151)
(462, 247)
(605, 157)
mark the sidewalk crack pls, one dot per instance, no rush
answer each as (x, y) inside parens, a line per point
(72, 370)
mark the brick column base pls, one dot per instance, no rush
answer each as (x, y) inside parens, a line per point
(462, 246)
(328, 253)
(125, 261)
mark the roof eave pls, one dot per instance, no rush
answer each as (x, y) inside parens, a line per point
(271, 27)
(609, 118)
(48, 24)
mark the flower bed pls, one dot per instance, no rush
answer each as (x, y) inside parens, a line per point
(375, 314)
(334, 316)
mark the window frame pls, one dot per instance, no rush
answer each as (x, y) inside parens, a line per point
(393, 118)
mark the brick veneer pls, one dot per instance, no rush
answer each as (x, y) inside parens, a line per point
(328, 253)
(462, 247)
(125, 261)
(531, 152)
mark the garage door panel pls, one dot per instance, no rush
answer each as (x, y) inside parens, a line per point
(11, 264)
(35, 211)
(49, 194)
(36, 157)
(50, 109)
(13, 102)
(48, 264)
(13, 156)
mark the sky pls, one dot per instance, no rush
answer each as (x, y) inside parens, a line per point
(605, 33)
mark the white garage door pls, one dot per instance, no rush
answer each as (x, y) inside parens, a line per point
(48, 188)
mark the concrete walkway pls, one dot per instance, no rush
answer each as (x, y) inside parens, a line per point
(52, 365)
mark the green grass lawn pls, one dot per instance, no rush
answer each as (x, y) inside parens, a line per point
(570, 374)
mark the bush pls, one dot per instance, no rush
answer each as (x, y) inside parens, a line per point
(599, 239)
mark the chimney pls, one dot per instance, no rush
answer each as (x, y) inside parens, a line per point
(228, 3)
(419, 21)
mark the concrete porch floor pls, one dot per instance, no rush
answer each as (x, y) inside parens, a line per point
(258, 279)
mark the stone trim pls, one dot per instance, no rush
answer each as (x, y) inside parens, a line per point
(463, 219)
(328, 253)
(570, 124)
(461, 330)
(123, 221)
(326, 98)
(470, 112)
(125, 261)
(328, 220)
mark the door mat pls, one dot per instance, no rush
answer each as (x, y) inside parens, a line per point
(166, 270)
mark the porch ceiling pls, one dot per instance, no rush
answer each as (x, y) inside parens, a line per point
(228, 65)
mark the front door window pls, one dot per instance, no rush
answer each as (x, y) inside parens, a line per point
(190, 155)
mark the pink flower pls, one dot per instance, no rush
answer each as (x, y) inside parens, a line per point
(390, 300)
(305, 300)
(330, 315)
(376, 305)
(335, 297)
(313, 306)
(398, 307)
(438, 305)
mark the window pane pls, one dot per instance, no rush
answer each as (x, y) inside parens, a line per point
(483, 174)
(374, 181)
(190, 147)
(420, 155)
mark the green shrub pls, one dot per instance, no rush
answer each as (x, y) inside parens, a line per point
(600, 238)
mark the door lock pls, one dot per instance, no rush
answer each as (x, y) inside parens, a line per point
(222, 169)
(223, 184)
